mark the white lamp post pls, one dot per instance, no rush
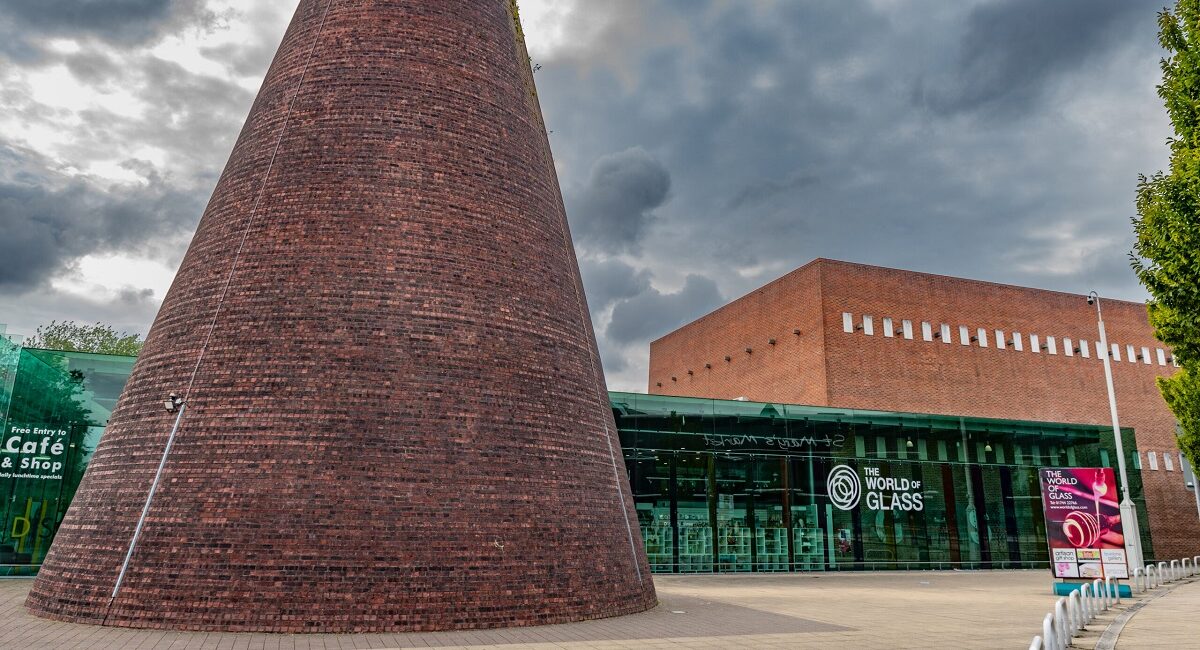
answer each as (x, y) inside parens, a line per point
(1133, 536)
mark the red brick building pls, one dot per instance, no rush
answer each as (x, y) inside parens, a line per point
(855, 336)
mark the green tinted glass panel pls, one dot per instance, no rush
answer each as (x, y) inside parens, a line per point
(55, 409)
(751, 488)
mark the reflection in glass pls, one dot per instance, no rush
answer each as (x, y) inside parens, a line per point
(731, 486)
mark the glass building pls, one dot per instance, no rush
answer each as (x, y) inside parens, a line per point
(724, 486)
(719, 486)
(53, 408)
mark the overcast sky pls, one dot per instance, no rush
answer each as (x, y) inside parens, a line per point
(704, 147)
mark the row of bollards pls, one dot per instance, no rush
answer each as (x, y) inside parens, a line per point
(1073, 612)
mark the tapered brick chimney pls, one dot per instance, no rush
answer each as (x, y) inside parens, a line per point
(391, 413)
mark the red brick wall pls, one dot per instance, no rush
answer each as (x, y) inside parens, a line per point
(792, 369)
(399, 423)
(876, 372)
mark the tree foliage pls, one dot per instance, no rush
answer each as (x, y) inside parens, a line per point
(72, 337)
(1167, 253)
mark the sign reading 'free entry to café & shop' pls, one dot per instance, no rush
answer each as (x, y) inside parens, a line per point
(1083, 523)
(33, 452)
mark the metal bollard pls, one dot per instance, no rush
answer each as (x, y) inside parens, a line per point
(1162, 573)
(1048, 637)
(1113, 589)
(1175, 575)
(1074, 611)
(1036, 644)
(1139, 581)
(1063, 627)
(1150, 584)
(1085, 598)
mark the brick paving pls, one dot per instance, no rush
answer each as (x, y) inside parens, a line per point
(835, 610)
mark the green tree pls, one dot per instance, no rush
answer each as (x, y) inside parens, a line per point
(72, 337)
(1167, 253)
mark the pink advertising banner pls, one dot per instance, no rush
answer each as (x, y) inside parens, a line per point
(1083, 522)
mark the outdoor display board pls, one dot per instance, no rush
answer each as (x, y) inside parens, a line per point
(1083, 522)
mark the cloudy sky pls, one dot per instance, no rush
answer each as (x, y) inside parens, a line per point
(704, 147)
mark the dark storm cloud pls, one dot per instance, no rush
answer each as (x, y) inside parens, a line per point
(994, 139)
(198, 115)
(49, 221)
(122, 22)
(652, 313)
(791, 132)
(616, 206)
(768, 189)
(606, 282)
(1012, 49)
(612, 359)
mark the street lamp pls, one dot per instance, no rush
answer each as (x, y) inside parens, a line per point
(1133, 535)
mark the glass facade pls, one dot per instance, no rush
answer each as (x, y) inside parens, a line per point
(723, 486)
(53, 408)
(719, 486)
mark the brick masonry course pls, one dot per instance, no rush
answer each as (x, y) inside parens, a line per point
(826, 366)
(399, 422)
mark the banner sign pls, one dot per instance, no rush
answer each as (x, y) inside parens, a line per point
(33, 452)
(1083, 522)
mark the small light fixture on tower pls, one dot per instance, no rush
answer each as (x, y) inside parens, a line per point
(749, 350)
(771, 341)
(909, 443)
(172, 402)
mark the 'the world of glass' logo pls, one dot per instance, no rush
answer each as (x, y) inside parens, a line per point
(844, 487)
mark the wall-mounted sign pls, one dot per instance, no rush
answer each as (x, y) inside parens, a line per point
(845, 490)
(1083, 522)
(844, 487)
(33, 452)
(774, 443)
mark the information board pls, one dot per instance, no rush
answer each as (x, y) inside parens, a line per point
(1083, 522)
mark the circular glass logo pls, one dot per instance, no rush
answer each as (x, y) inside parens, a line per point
(844, 487)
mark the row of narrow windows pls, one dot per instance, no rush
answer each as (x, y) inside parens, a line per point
(984, 337)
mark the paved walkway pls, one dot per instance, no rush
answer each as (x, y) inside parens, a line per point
(1167, 622)
(991, 609)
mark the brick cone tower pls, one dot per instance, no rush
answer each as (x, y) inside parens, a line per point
(393, 412)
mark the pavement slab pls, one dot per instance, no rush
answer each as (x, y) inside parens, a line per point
(1171, 621)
